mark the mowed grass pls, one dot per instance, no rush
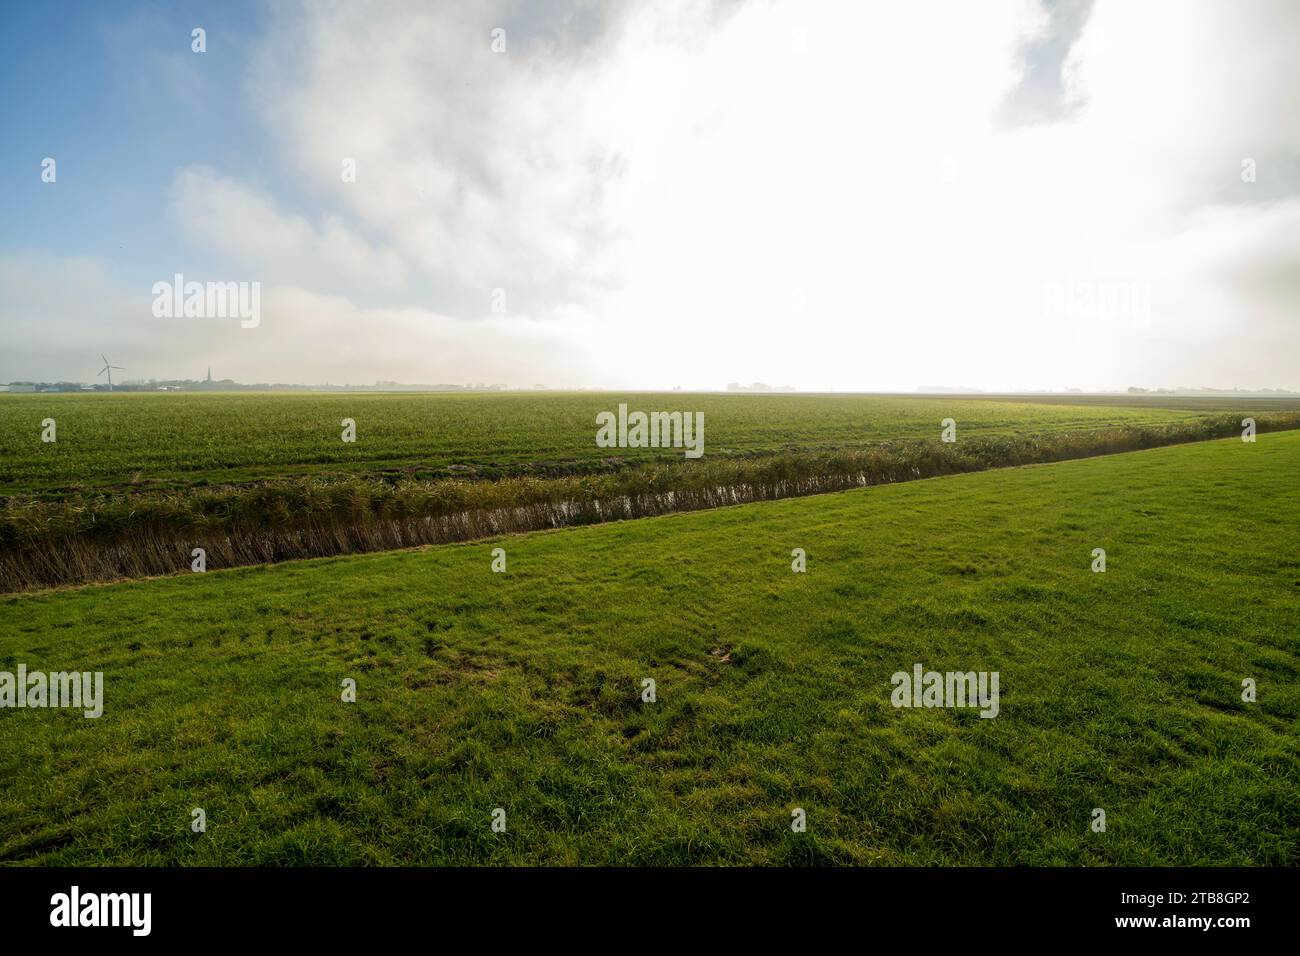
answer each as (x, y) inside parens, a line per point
(521, 690)
(142, 440)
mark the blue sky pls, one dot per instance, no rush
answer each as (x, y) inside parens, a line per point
(831, 195)
(120, 102)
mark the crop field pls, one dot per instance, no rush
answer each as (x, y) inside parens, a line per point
(137, 441)
(130, 485)
(523, 690)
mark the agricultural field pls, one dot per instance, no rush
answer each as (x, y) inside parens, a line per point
(130, 485)
(522, 690)
(137, 441)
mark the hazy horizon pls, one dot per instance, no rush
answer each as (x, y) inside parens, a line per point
(762, 388)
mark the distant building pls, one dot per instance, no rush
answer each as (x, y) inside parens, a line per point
(22, 388)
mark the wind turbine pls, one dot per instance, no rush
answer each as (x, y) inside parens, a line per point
(109, 369)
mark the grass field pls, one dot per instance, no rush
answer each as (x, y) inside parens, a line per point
(520, 690)
(141, 440)
(136, 482)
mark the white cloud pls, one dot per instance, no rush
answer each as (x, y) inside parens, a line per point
(789, 191)
(484, 170)
(319, 338)
(352, 343)
(265, 243)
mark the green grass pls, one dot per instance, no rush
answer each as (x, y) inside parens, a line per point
(139, 440)
(520, 690)
(129, 520)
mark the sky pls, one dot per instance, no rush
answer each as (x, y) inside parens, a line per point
(848, 196)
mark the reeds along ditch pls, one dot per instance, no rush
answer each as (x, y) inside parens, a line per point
(108, 537)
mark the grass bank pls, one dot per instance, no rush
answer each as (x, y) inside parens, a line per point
(521, 690)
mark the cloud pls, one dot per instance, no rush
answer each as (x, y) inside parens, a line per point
(484, 170)
(353, 343)
(835, 195)
(1048, 35)
(69, 310)
(264, 243)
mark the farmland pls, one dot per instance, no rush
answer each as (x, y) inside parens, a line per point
(520, 690)
(133, 483)
(141, 441)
